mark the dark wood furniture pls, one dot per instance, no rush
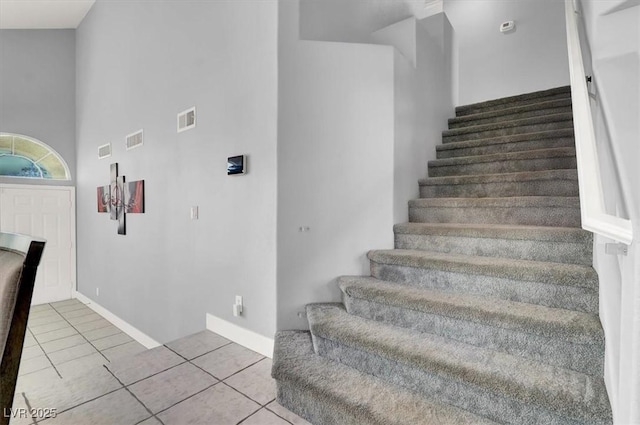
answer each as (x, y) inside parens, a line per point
(19, 259)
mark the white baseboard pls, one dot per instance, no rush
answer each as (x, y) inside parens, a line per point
(125, 327)
(253, 341)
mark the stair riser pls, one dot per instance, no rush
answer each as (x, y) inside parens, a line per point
(512, 289)
(495, 406)
(509, 166)
(496, 190)
(314, 408)
(533, 216)
(528, 145)
(463, 122)
(558, 352)
(522, 249)
(508, 131)
(480, 109)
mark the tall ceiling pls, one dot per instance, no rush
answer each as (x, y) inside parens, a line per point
(43, 14)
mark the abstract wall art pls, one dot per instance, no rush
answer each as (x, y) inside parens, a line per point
(121, 198)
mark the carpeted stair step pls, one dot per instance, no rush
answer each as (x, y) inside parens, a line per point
(513, 162)
(327, 392)
(557, 285)
(505, 388)
(514, 101)
(557, 211)
(507, 128)
(526, 183)
(563, 338)
(527, 111)
(554, 244)
(513, 143)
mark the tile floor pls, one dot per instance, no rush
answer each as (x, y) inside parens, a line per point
(78, 363)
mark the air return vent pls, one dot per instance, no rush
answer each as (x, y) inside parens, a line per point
(187, 120)
(104, 151)
(135, 140)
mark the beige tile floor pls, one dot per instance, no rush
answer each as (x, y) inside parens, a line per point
(78, 363)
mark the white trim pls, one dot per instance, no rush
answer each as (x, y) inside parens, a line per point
(594, 216)
(124, 326)
(253, 341)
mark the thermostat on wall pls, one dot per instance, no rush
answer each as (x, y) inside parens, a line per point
(507, 26)
(236, 165)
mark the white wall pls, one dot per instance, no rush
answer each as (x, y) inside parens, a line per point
(357, 124)
(422, 99)
(494, 65)
(613, 32)
(138, 64)
(335, 163)
(37, 91)
(351, 20)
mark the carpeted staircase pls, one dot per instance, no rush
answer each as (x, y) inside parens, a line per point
(486, 311)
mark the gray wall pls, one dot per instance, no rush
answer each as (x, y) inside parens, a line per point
(37, 91)
(139, 64)
(493, 65)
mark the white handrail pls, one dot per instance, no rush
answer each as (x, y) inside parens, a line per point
(594, 216)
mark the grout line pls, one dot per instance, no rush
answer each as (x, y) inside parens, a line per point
(233, 374)
(84, 402)
(268, 410)
(154, 374)
(132, 394)
(200, 355)
(247, 417)
(278, 415)
(81, 334)
(243, 369)
(117, 345)
(192, 395)
(71, 346)
(45, 354)
(240, 392)
(220, 381)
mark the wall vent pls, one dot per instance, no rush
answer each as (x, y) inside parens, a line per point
(187, 119)
(135, 140)
(104, 151)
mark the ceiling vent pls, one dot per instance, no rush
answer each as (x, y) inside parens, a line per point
(135, 140)
(104, 151)
(187, 120)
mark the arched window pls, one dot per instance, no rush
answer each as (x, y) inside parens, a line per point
(22, 156)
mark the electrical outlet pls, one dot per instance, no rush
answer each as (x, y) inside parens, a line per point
(237, 307)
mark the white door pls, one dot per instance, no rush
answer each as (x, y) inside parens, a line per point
(45, 212)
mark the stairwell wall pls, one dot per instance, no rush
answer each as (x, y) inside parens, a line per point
(357, 124)
(494, 65)
(139, 64)
(335, 163)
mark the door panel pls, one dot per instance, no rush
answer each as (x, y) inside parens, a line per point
(45, 213)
